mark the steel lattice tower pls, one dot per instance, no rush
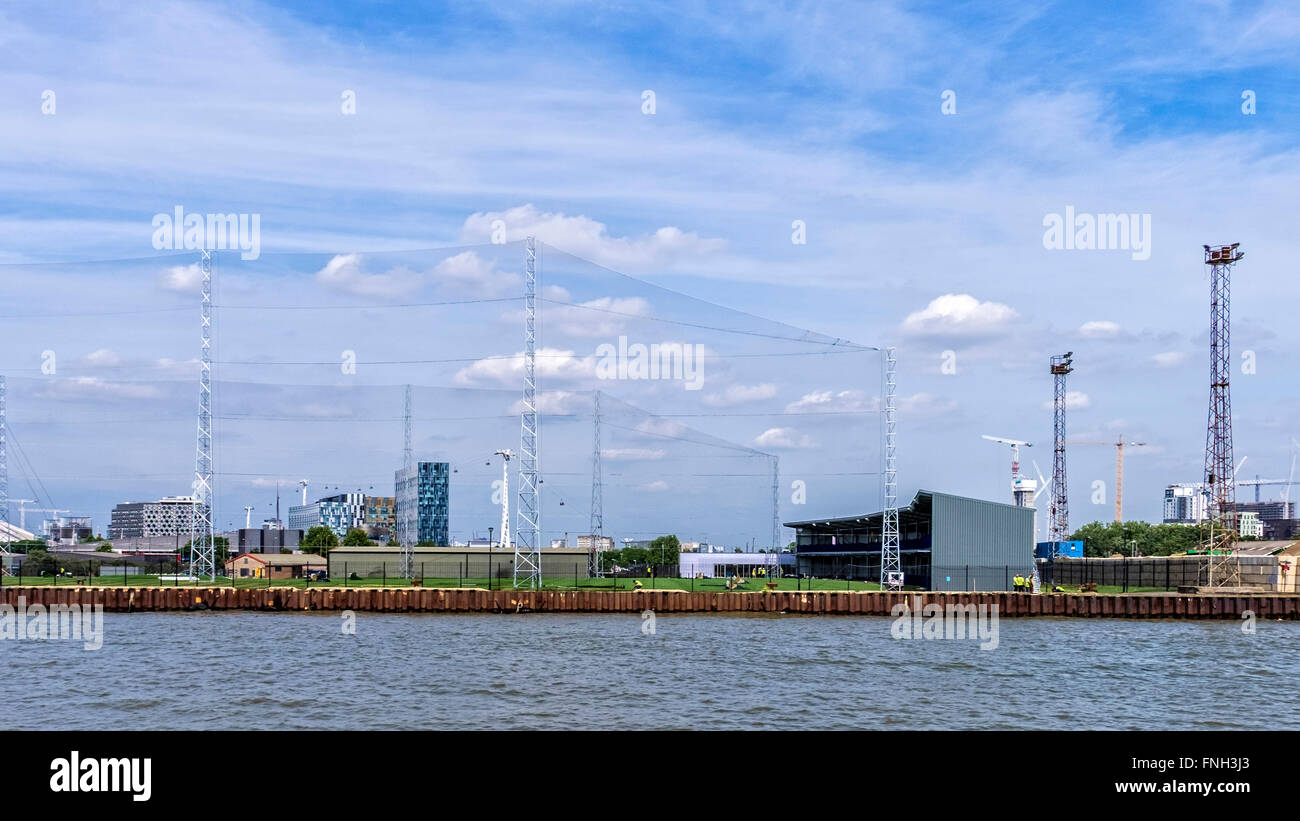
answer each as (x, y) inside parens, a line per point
(1058, 522)
(4, 458)
(597, 496)
(202, 532)
(1221, 564)
(891, 558)
(407, 565)
(528, 535)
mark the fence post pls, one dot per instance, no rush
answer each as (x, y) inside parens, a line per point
(345, 574)
(384, 570)
(967, 585)
(1168, 562)
(1126, 575)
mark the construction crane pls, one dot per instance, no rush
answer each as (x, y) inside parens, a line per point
(22, 513)
(1119, 446)
(22, 518)
(1022, 488)
(1286, 485)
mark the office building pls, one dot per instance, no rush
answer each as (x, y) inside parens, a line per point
(63, 530)
(422, 503)
(169, 516)
(381, 517)
(1185, 504)
(265, 540)
(340, 513)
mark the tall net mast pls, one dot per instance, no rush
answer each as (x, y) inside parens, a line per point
(1221, 568)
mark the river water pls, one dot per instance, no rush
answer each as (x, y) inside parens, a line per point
(715, 671)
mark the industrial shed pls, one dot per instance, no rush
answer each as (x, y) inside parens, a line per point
(947, 543)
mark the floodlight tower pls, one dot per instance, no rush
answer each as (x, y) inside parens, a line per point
(528, 539)
(202, 530)
(1221, 564)
(1059, 512)
(597, 529)
(506, 456)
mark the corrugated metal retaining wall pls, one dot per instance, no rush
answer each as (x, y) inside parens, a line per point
(473, 600)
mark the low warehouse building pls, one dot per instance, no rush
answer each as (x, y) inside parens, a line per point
(720, 565)
(452, 562)
(275, 565)
(946, 543)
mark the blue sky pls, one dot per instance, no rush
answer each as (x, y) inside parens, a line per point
(924, 229)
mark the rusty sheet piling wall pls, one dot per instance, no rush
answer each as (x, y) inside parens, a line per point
(466, 600)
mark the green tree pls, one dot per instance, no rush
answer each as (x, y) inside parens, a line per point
(356, 537)
(39, 561)
(319, 540)
(392, 541)
(104, 548)
(220, 550)
(664, 550)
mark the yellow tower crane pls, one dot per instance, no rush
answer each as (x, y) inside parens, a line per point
(1119, 446)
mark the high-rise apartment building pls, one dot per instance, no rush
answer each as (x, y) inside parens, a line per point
(422, 503)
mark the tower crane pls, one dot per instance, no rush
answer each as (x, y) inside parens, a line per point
(22, 513)
(1119, 446)
(1022, 488)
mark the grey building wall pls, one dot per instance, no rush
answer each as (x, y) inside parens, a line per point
(974, 543)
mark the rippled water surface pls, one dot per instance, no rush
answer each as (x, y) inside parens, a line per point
(733, 671)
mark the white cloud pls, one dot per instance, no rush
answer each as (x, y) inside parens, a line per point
(557, 403)
(1169, 359)
(103, 357)
(552, 364)
(182, 278)
(87, 387)
(468, 273)
(833, 402)
(587, 238)
(740, 394)
(959, 315)
(602, 317)
(631, 454)
(344, 273)
(661, 427)
(656, 486)
(1074, 400)
(1099, 329)
(925, 404)
(788, 438)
